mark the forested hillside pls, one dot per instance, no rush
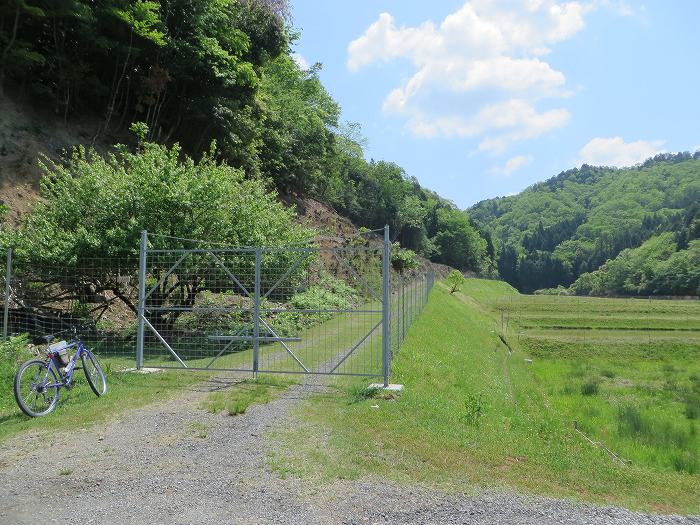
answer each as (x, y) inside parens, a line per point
(644, 220)
(203, 72)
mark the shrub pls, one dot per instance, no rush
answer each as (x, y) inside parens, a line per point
(454, 280)
(329, 293)
(403, 259)
(95, 207)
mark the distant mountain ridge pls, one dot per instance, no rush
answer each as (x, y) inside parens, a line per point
(557, 231)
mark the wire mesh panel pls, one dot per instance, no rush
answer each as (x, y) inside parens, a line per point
(325, 311)
(409, 296)
(96, 297)
(199, 307)
(312, 310)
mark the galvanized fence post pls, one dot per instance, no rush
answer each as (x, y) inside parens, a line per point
(399, 314)
(413, 302)
(141, 309)
(386, 311)
(8, 291)
(256, 314)
(403, 312)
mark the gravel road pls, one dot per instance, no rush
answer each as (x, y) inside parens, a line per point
(150, 465)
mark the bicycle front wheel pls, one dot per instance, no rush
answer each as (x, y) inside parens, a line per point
(94, 374)
(36, 388)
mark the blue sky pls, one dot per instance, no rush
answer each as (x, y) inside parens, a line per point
(483, 98)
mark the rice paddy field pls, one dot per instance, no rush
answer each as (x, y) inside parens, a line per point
(627, 371)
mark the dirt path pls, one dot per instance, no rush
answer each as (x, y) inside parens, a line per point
(153, 465)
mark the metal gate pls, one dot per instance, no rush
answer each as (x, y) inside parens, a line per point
(266, 309)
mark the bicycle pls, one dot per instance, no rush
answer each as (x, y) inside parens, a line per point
(38, 381)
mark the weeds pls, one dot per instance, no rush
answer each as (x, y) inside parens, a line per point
(199, 430)
(589, 388)
(360, 392)
(474, 409)
(238, 398)
(692, 406)
(685, 462)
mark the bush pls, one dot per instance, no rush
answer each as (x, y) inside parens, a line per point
(96, 207)
(454, 280)
(329, 293)
(403, 259)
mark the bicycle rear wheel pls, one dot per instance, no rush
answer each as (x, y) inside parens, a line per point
(32, 394)
(94, 374)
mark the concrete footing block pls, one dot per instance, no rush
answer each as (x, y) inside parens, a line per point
(389, 388)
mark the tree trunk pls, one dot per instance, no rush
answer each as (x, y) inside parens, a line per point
(6, 51)
(110, 109)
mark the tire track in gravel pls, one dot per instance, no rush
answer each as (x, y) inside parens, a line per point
(149, 466)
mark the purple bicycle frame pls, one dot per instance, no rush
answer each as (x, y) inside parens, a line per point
(65, 379)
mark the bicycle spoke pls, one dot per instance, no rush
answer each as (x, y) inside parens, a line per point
(35, 389)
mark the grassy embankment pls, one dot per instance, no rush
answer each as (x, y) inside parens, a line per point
(474, 415)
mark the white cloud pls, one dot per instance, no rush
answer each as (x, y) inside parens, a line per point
(614, 151)
(514, 119)
(484, 60)
(300, 60)
(512, 164)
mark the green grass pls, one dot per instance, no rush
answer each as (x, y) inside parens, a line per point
(473, 415)
(199, 430)
(237, 398)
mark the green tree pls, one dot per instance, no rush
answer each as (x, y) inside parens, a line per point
(96, 207)
(298, 118)
(454, 280)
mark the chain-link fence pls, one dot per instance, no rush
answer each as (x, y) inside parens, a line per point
(329, 308)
